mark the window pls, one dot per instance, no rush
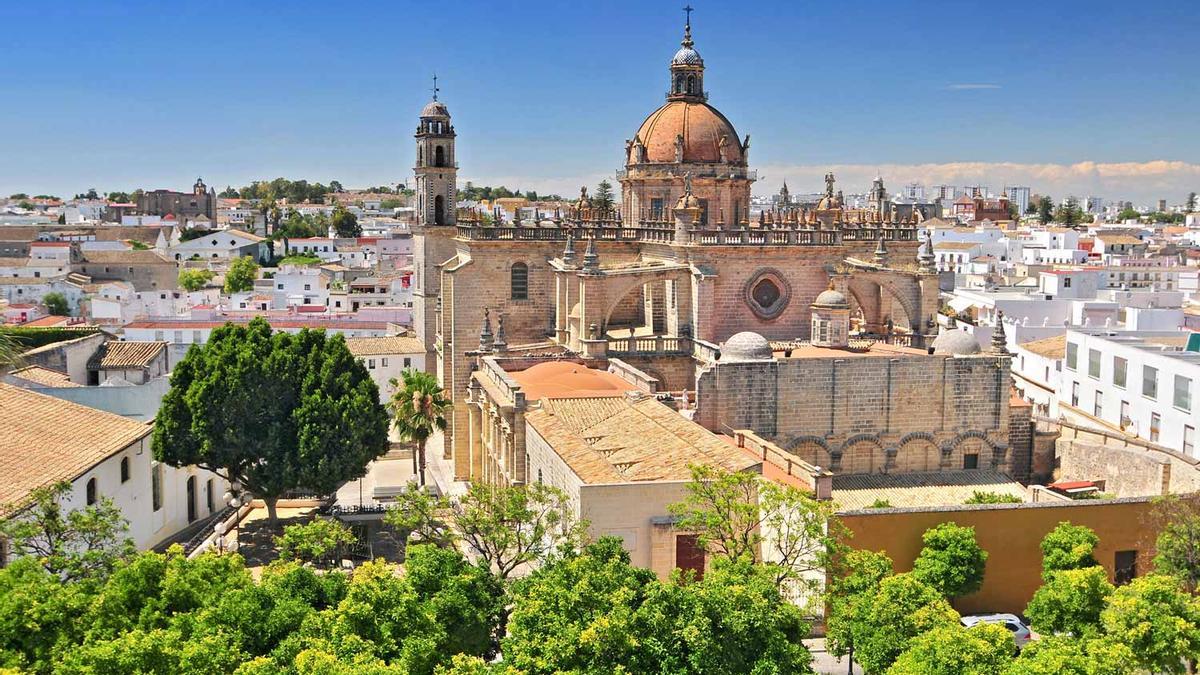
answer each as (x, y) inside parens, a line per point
(383, 362)
(1098, 406)
(519, 282)
(1124, 567)
(124, 469)
(1189, 435)
(91, 491)
(1183, 393)
(1155, 426)
(1075, 394)
(1094, 363)
(1067, 282)
(156, 488)
(209, 490)
(1072, 355)
(971, 460)
(407, 362)
(371, 364)
(656, 208)
(1149, 382)
(1120, 365)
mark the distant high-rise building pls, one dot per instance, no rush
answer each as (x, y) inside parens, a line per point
(1093, 205)
(944, 192)
(976, 191)
(914, 191)
(1019, 195)
(1162, 206)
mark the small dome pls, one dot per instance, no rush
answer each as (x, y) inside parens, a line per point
(746, 346)
(686, 56)
(833, 299)
(956, 342)
(435, 108)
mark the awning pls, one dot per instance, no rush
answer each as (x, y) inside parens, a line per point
(960, 304)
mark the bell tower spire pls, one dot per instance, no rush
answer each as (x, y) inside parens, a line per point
(687, 68)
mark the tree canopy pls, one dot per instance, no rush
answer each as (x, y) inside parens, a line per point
(1068, 547)
(194, 280)
(902, 609)
(275, 411)
(345, 223)
(419, 407)
(1070, 602)
(983, 649)
(241, 274)
(1157, 620)
(951, 561)
(56, 304)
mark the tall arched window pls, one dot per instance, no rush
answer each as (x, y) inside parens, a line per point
(439, 210)
(439, 156)
(520, 281)
(124, 469)
(91, 491)
(691, 84)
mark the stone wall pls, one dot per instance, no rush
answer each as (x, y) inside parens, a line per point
(1020, 438)
(867, 414)
(674, 373)
(1125, 472)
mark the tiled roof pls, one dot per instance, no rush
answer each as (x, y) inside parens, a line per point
(117, 354)
(616, 440)
(47, 439)
(44, 377)
(932, 488)
(14, 262)
(276, 323)
(374, 346)
(1051, 347)
(1119, 239)
(131, 257)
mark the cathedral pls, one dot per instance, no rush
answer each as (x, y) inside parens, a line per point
(676, 275)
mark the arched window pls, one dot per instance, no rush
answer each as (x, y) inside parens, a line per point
(91, 491)
(679, 84)
(420, 154)
(519, 281)
(124, 469)
(439, 210)
(439, 156)
(691, 84)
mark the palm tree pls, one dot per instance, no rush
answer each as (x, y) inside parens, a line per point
(10, 352)
(419, 407)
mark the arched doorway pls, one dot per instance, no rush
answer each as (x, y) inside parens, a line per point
(439, 210)
(191, 498)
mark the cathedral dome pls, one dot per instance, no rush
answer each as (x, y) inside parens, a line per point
(702, 127)
(746, 346)
(435, 108)
(687, 56)
(832, 299)
(956, 342)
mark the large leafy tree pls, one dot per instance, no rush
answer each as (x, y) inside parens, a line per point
(1068, 547)
(419, 407)
(984, 649)
(73, 544)
(1157, 620)
(903, 609)
(194, 280)
(951, 561)
(241, 275)
(313, 542)
(345, 223)
(1070, 602)
(507, 527)
(274, 411)
(1045, 211)
(1178, 543)
(738, 515)
(1054, 655)
(850, 597)
(56, 303)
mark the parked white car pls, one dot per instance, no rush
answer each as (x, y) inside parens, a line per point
(1020, 632)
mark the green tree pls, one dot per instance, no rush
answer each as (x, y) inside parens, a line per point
(345, 223)
(951, 560)
(56, 304)
(984, 649)
(1069, 214)
(903, 609)
(77, 543)
(274, 411)
(10, 351)
(850, 597)
(419, 409)
(1178, 542)
(336, 187)
(194, 280)
(18, 195)
(420, 513)
(228, 193)
(506, 527)
(38, 615)
(241, 274)
(1068, 547)
(1128, 214)
(736, 515)
(1157, 620)
(1070, 602)
(1045, 211)
(1051, 655)
(603, 197)
(985, 497)
(313, 542)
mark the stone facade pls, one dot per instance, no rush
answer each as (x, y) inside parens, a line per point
(201, 201)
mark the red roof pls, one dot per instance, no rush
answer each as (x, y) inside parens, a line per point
(310, 308)
(1072, 484)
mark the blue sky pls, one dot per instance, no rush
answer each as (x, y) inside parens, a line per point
(1066, 96)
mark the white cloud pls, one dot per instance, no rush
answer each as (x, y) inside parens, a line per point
(1136, 181)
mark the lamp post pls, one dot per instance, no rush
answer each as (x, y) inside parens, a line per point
(235, 496)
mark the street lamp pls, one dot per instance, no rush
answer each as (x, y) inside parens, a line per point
(235, 497)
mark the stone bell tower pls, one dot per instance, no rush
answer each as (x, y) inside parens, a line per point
(436, 174)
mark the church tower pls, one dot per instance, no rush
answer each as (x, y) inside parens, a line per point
(433, 236)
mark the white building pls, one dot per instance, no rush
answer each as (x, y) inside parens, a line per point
(299, 285)
(1142, 383)
(387, 358)
(101, 455)
(221, 246)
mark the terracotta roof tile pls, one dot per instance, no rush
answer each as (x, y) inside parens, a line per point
(47, 439)
(373, 346)
(933, 488)
(44, 377)
(118, 354)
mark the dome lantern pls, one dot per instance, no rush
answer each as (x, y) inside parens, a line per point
(687, 68)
